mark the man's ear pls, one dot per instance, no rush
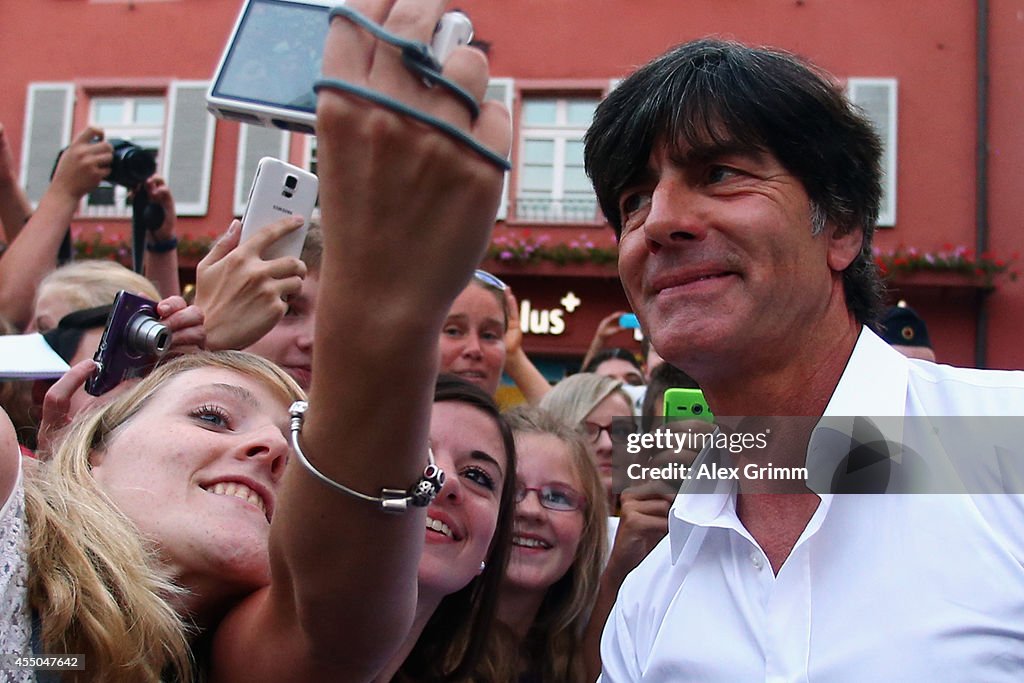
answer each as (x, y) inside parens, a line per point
(843, 246)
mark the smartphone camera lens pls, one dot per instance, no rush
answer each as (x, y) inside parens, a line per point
(697, 409)
(290, 182)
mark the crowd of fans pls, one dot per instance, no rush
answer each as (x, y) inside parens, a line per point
(204, 522)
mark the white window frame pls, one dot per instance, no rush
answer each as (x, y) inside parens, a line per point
(887, 130)
(560, 133)
(502, 89)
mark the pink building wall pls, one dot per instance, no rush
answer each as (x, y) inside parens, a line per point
(929, 47)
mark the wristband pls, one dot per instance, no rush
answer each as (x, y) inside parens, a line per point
(162, 246)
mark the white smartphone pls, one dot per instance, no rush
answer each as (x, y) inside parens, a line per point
(275, 53)
(279, 190)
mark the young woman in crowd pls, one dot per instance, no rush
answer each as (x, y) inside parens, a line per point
(589, 402)
(481, 338)
(84, 284)
(558, 548)
(304, 572)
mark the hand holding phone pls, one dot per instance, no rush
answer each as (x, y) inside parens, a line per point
(279, 190)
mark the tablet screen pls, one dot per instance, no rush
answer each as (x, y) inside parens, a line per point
(276, 55)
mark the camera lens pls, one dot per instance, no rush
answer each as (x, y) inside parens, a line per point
(147, 336)
(697, 408)
(290, 182)
(131, 164)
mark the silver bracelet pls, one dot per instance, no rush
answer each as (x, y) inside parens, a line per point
(390, 500)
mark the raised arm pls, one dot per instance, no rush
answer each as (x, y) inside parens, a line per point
(407, 214)
(531, 382)
(14, 205)
(34, 254)
(161, 260)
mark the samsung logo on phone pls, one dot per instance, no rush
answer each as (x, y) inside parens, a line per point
(282, 209)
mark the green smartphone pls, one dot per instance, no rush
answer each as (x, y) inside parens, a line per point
(687, 404)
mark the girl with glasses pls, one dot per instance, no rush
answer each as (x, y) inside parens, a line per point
(558, 546)
(589, 402)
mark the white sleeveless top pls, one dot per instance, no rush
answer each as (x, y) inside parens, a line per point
(15, 616)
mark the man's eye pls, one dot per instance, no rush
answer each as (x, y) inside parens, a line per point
(717, 174)
(634, 202)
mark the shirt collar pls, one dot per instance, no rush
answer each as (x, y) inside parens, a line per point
(874, 383)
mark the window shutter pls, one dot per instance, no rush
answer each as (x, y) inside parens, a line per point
(49, 112)
(502, 90)
(189, 149)
(254, 143)
(877, 97)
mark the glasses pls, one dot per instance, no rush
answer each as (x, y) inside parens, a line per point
(490, 280)
(618, 430)
(553, 497)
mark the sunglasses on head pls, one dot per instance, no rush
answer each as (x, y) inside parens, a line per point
(485, 278)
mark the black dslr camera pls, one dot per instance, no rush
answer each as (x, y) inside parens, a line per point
(131, 165)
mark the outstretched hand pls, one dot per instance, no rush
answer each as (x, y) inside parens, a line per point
(420, 188)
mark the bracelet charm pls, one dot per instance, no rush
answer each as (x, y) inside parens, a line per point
(420, 494)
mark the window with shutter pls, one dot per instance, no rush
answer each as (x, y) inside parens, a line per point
(877, 98)
(189, 149)
(254, 143)
(48, 118)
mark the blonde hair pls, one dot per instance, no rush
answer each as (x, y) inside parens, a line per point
(554, 643)
(91, 283)
(574, 397)
(95, 582)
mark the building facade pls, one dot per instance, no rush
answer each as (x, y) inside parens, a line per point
(939, 79)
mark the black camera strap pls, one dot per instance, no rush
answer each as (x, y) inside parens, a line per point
(139, 201)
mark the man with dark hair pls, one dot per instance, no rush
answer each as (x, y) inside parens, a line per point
(744, 190)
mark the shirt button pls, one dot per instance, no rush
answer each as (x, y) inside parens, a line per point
(756, 560)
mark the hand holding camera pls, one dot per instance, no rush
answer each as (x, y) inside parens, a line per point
(82, 165)
(133, 340)
(444, 240)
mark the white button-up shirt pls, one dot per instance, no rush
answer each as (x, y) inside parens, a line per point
(888, 587)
